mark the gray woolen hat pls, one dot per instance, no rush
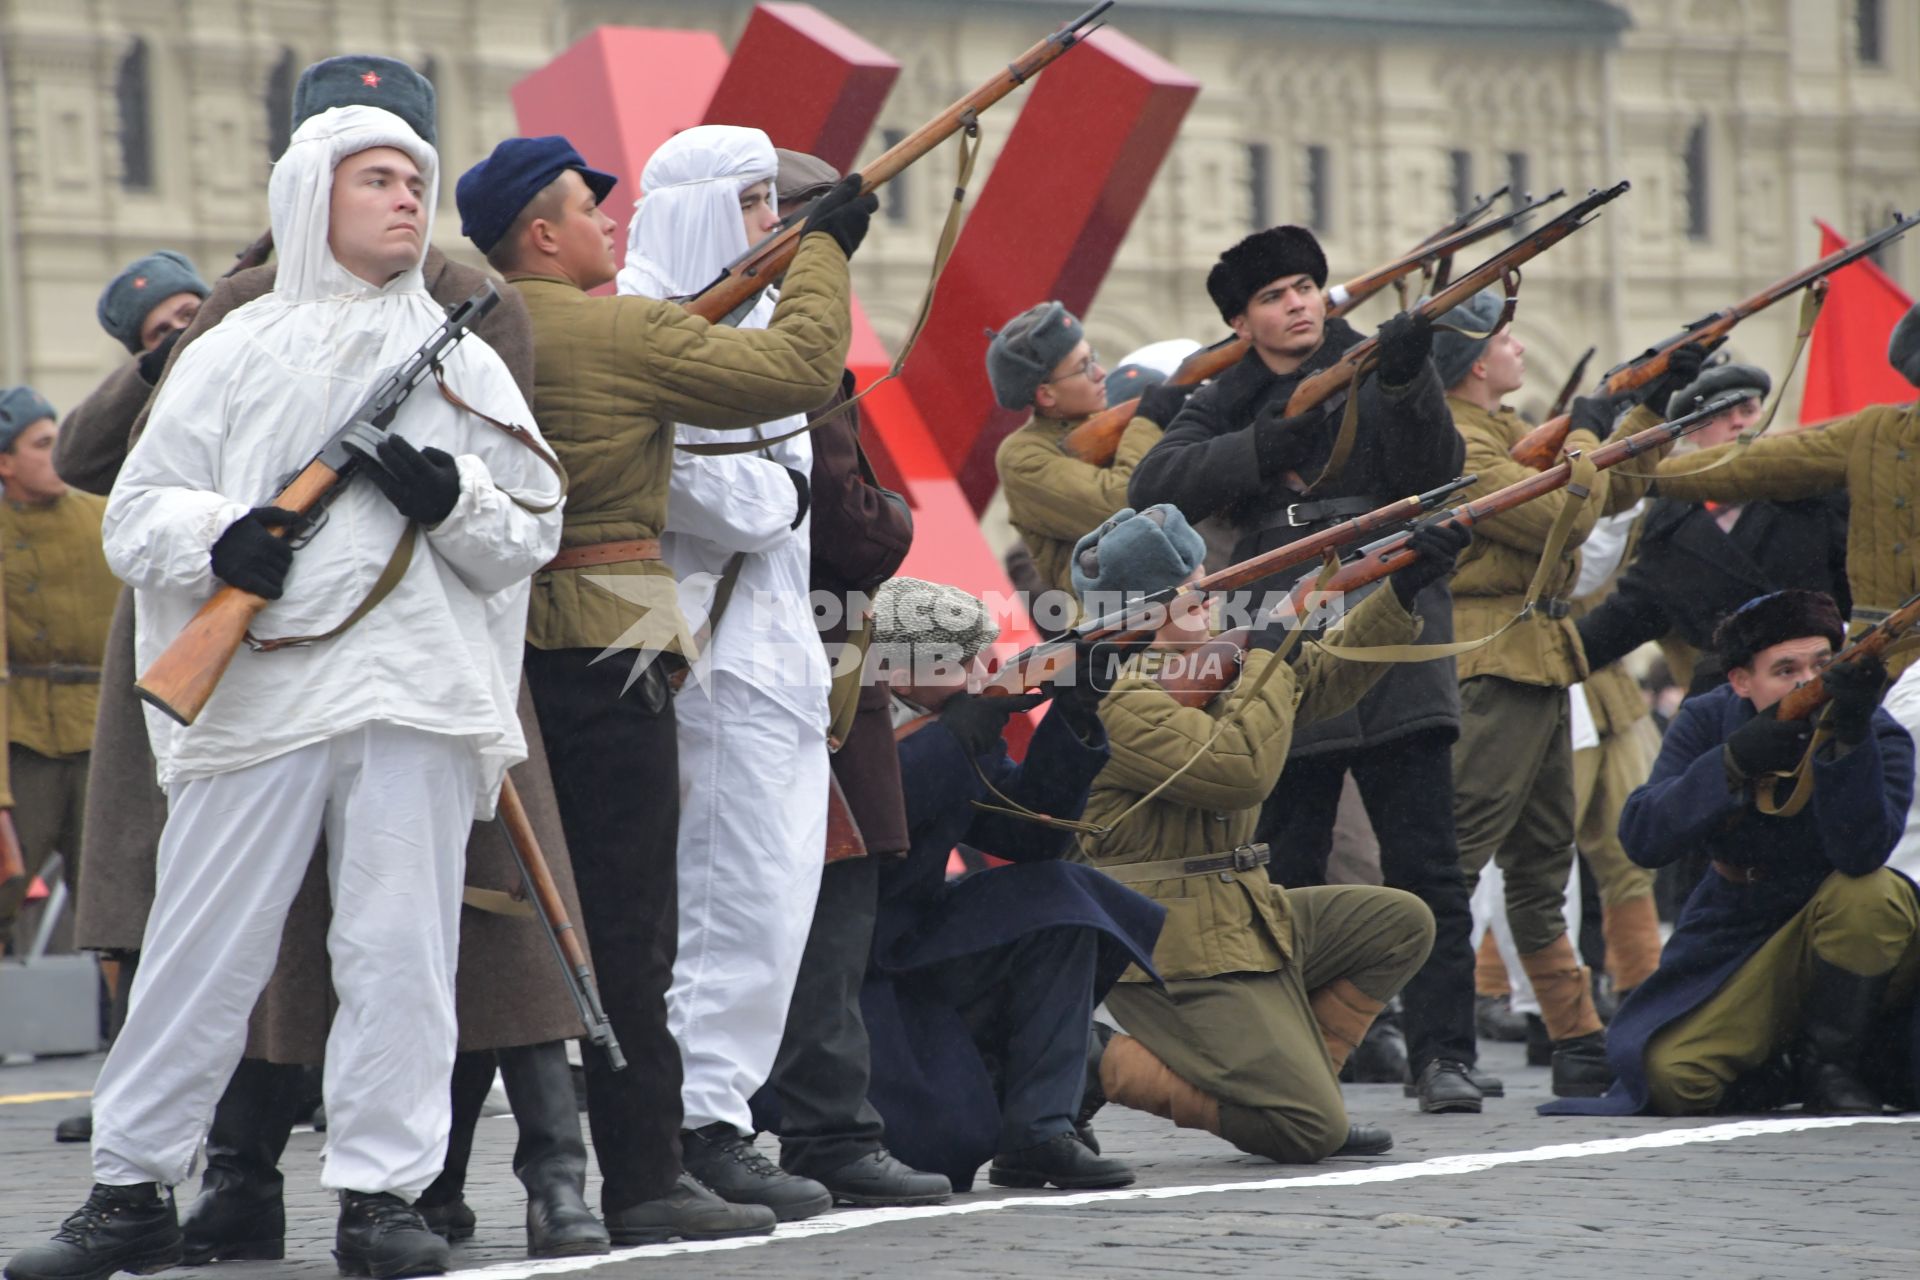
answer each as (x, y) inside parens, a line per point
(800, 177)
(20, 408)
(1137, 553)
(367, 80)
(1903, 348)
(145, 283)
(1022, 354)
(1718, 381)
(1454, 353)
(913, 618)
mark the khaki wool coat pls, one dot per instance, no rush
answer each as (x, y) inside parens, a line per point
(509, 990)
(1230, 922)
(611, 377)
(1874, 456)
(60, 596)
(1497, 567)
(1054, 499)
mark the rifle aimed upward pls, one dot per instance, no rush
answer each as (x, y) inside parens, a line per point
(1098, 438)
(1541, 446)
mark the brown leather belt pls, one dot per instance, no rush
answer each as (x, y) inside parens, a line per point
(604, 553)
(1741, 875)
(1245, 858)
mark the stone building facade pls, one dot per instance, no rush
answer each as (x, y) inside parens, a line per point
(127, 125)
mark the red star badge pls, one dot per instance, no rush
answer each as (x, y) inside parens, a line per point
(139, 282)
(371, 79)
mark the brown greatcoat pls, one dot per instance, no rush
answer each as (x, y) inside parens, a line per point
(509, 990)
(861, 533)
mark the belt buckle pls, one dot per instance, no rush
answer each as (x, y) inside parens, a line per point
(1292, 521)
(1558, 608)
(1248, 856)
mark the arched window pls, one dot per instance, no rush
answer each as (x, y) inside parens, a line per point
(1699, 221)
(279, 104)
(134, 97)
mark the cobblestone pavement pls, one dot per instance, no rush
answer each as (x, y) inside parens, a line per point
(1506, 1194)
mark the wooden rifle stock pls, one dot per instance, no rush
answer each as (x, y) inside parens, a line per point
(1540, 447)
(1805, 702)
(844, 839)
(254, 255)
(764, 262)
(1032, 668)
(1381, 558)
(186, 673)
(1098, 438)
(1360, 358)
(559, 928)
(13, 864)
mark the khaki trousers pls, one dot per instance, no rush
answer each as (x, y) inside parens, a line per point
(1864, 924)
(1513, 800)
(1603, 778)
(50, 794)
(1250, 1039)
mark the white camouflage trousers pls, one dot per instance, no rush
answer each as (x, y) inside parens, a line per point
(396, 805)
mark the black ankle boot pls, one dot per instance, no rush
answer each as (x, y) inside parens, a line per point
(382, 1236)
(443, 1205)
(117, 1229)
(239, 1215)
(551, 1160)
(1842, 1008)
(1580, 1066)
(1381, 1057)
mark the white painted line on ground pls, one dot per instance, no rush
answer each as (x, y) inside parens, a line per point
(1438, 1167)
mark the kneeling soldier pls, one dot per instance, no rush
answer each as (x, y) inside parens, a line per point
(1267, 989)
(1800, 940)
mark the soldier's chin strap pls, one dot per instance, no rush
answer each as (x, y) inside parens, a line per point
(969, 143)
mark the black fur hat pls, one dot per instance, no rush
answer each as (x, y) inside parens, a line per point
(1765, 621)
(1260, 259)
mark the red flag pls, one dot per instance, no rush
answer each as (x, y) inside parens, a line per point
(1847, 369)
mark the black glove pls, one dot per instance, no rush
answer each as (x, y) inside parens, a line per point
(843, 213)
(1077, 694)
(978, 721)
(1282, 444)
(1163, 403)
(1439, 546)
(1856, 688)
(1405, 342)
(1592, 413)
(422, 484)
(250, 557)
(1683, 366)
(154, 362)
(1766, 745)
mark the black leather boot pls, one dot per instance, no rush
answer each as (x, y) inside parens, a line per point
(382, 1236)
(1842, 1008)
(726, 1161)
(1366, 1140)
(1092, 1098)
(688, 1212)
(1381, 1057)
(551, 1159)
(443, 1205)
(1494, 1019)
(239, 1215)
(1580, 1067)
(878, 1178)
(1062, 1160)
(1445, 1087)
(117, 1229)
(75, 1128)
(1539, 1043)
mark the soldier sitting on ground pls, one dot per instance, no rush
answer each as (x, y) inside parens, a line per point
(1792, 971)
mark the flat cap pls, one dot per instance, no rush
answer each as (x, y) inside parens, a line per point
(492, 193)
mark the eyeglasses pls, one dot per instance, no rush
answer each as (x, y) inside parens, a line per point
(1084, 369)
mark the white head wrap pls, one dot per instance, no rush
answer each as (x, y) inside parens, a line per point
(300, 197)
(688, 225)
(1164, 356)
